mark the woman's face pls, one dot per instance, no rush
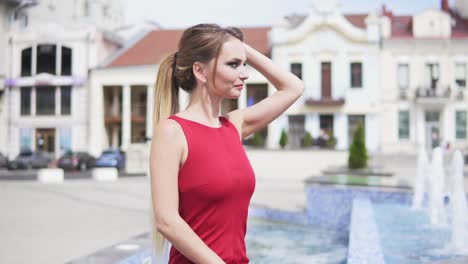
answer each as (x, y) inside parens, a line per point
(231, 71)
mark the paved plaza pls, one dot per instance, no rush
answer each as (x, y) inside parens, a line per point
(57, 223)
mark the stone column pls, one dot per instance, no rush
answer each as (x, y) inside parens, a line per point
(126, 117)
(149, 110)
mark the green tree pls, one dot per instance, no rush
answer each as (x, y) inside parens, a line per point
(283, 139)
(357, 151)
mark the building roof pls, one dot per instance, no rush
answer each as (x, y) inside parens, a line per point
(157, 44)
(402, 26)
(357, 20)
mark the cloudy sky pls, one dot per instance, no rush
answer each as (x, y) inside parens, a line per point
(184, 13)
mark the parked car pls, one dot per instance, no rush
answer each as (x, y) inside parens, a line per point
(30, 160)
(111, 158)
(76, 161)
(3, 161)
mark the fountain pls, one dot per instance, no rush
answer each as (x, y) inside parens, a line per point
(459, 209)
(436, 188)
(421, 182)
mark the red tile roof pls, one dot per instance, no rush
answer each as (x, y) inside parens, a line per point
(358, 20)
(156, 45)
(402, 26)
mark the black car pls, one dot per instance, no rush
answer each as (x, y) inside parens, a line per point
(76, 161)
(30, 160)
(3, 161)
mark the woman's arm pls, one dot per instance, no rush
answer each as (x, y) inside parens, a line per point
(290, 88)
(167, 148)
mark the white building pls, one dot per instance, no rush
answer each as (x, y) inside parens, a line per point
(424, 72)
(337, 56)
(51, 48)
(122, 93)
(8, 14)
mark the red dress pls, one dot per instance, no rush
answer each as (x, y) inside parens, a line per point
(216, 183)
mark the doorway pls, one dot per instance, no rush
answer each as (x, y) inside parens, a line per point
(45, 140)
(432, 127)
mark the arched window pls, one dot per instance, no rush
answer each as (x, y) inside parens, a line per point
(66, 61)
(26, 62)
(46, 58)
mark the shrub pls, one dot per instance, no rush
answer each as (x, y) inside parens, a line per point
(357, 151)
(283, 139)
(257, 140)
(307, 141)
(331, 142)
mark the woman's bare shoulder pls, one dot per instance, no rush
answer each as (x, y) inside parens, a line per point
(168, 130)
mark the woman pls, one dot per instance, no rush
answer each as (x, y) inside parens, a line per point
(201, 179)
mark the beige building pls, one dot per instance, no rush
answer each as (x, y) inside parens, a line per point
(424, 61)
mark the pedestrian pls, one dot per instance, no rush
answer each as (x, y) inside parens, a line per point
(201, 179)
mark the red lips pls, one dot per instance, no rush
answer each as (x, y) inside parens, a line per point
(239, 86)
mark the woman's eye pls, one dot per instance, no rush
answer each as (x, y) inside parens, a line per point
(234, 64)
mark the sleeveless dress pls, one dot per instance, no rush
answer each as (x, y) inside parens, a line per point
(215, 183)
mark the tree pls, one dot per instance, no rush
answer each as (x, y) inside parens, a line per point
(283, 139)
(357, 151)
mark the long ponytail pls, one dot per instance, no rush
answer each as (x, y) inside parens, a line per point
(166, 103)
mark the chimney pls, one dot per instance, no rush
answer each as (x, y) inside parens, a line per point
(386, 12)
(444, 5)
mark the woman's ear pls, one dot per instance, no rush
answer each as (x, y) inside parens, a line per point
(199, 71)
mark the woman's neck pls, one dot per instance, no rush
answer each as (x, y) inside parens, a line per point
(204, 106)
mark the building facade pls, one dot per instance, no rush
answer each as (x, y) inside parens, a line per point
(337, 57)
(51, 47)
(424, 71)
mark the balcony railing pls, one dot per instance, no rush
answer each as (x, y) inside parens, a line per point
(325, 101)
(433, 96)
(437, 92)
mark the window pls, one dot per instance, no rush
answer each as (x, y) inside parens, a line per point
(65, 100)
(403, 76)
(66, 61)
(356, 75)
(45, 100)
(403, 125)
(25, 139)
(26, 62)
(460, 124)
(460, 74)
(46, 59)
(432, 72)
(25, 94)
(65, 139)
(256, 93)
(296, 69)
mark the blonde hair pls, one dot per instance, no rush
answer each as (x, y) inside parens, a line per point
(200, 43)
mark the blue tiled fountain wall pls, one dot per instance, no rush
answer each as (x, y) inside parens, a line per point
(338, 207)
(330, 205)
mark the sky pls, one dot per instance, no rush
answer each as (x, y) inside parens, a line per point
(184, 13)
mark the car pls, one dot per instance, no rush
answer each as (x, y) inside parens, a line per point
(111, 158)
(30, 160)
(76, 161)
(3, 161)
